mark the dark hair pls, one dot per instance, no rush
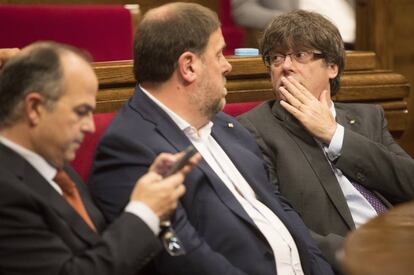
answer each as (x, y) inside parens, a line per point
(304, 30)
(161, 38)
(36, 69)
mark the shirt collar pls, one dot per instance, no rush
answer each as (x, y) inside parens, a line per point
(184, 126)
(38, 162)
(332, 109)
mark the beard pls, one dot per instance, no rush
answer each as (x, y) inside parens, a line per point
(209, 97)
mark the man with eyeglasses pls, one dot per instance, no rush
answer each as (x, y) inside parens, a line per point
(336, 163)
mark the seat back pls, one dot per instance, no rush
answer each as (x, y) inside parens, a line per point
(103, 30)
(85, 154)
(238, 108)
(233, 34)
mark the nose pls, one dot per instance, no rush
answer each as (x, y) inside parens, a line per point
(227, 67)
(287, 63)
(88, 125)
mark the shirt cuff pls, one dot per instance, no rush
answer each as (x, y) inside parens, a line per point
(335, 147)
(145, 213)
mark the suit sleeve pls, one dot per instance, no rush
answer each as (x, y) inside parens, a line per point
(35, 240)
(114, 175)
(200, 258)
(376, 161)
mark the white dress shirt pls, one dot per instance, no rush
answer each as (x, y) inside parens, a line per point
(49, 172)
(361, 209)
(279, 238)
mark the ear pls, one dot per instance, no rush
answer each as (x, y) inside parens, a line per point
(187, 66)
(332, 71)
(34, 107)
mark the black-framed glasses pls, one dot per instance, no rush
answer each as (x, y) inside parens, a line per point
(302, 57)
(170, 241)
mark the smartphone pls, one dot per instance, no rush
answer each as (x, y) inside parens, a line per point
(179, 164)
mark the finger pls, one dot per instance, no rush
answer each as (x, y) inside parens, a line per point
(295, 90)
(150, 177)
(174, 180)
(178, 192)
(301, 88)
(191, 163)
(293, 101)
(195, 159)
(292, 110)
(163, 162)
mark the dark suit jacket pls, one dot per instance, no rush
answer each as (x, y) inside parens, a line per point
(299, 168)
(40, 233)
(219, 236)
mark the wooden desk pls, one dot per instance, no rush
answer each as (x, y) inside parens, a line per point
(383, 246)
(249, 81)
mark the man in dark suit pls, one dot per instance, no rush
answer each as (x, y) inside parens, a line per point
(48, 223)
(231, 220)
(336, 163)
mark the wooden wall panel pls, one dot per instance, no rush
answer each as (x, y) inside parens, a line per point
(387, 28)
(249, 81)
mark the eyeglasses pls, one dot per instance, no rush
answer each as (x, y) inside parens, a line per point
(170, 241)
(302, 57)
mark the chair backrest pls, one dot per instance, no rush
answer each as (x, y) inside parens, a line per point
(236, 109)
(233, 35)
(103, 30)
(85, 154)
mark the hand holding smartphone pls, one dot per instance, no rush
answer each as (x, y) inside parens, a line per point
(179, 164)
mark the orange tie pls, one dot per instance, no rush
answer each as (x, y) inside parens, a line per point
(71, 194)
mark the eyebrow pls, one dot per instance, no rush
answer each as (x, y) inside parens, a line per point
(84, 106)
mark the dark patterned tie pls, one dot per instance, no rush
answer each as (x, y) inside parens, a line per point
(71, 194)
(371, 198)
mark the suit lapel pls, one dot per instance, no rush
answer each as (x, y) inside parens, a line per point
(151, 112)
(45, 193)
(256, 178)
(171, 132)
(316, 160)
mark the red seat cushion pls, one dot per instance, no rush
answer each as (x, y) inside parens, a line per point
(233, 35)
(103, 30)
(236, 109)
(85, 154)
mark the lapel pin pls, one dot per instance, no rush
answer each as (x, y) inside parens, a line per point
(230, 125)
(352, 121)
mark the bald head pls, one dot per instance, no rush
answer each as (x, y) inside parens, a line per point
(36, 68)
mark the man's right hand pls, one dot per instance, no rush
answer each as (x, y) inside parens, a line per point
(158, 193)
